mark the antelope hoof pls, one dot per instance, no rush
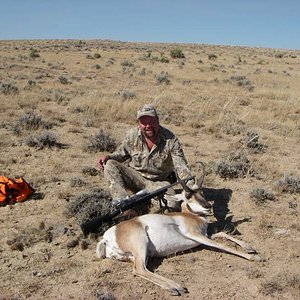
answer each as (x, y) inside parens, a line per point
(185, 290)
(250, 250)
(178, 292)
(174, 292)
(258, 258)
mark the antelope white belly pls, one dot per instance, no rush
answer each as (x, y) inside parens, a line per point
(166, 236)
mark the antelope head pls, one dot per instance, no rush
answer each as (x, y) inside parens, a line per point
(193, 198)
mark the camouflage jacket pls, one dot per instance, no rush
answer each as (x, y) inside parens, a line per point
(165, 157)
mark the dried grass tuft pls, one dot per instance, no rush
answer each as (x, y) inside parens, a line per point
(8, 89)
(251, 142)
(163, 77)
(99, 295)
(236, 165)
(289, 184)
(102, 141)
(90, 171)
(29, 121)
(260, 195)
(77, 182)
(89, 205)
(45, 139)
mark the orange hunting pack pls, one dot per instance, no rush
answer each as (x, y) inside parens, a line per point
(14, 190)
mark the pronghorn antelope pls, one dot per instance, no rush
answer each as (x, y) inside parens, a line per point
(159, 235)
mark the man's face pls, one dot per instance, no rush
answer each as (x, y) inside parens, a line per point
(149, 126)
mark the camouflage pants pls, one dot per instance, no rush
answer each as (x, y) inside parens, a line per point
(125, 181)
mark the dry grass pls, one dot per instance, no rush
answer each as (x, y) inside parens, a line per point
(235, 105)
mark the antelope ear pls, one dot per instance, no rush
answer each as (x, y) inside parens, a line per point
(195, 187)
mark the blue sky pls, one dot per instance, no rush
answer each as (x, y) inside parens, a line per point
(255, 23)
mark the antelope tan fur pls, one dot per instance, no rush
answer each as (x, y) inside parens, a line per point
(159, 235)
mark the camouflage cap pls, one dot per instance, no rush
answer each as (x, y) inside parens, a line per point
(147, 110)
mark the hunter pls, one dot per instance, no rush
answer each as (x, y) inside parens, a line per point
(147, 159)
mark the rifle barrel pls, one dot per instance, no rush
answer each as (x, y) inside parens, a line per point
(141, 196)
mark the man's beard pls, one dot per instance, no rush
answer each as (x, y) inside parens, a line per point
(149, 133)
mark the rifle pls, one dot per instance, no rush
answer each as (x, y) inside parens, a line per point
(129, 202)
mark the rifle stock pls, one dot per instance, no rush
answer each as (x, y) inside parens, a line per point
(93, 225)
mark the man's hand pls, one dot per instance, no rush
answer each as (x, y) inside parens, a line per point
(192, 185)
(101, 162)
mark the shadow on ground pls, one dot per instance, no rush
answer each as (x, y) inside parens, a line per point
(224, 219)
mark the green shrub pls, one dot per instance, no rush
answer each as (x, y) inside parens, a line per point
(164, 59)
(177, 53)
(97, 55)
(161, 59)
(212, 56)
(33, 53)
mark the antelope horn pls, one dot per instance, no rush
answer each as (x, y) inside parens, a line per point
(201, 179)
(184, 186)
